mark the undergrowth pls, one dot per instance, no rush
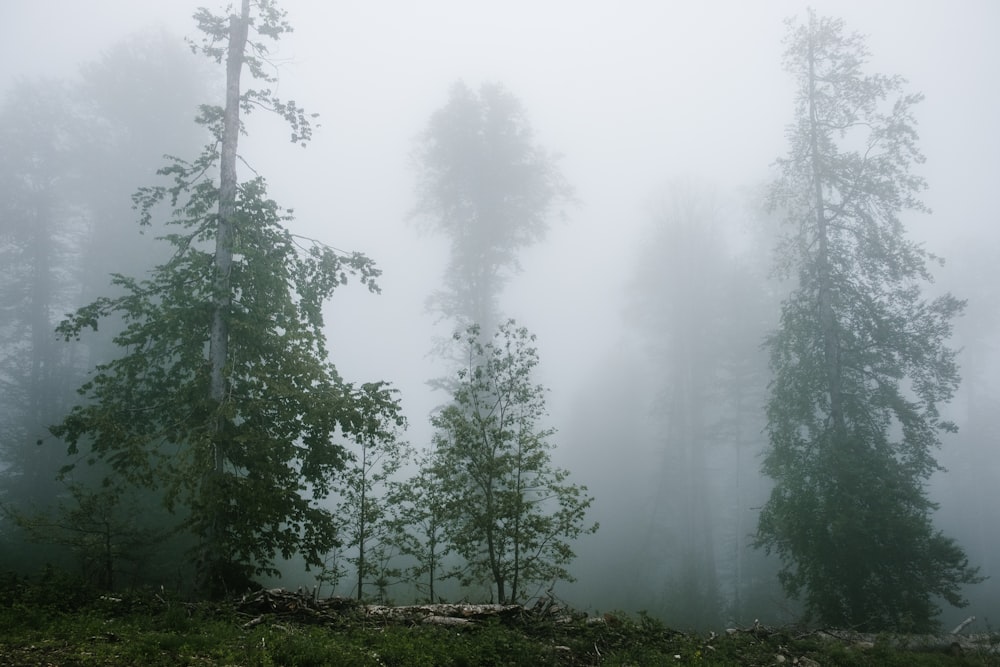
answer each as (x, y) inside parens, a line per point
(58, 621)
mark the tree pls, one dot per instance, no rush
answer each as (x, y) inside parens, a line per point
(421, 522)
(223, 398)
(39, 218)
(139, 98)
(70, 153)
(101, 528)
(860, 359)
(511, 515)
(485, 184)
(696, 301)
(364, 510)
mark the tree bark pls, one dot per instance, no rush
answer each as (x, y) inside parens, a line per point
(222, 294)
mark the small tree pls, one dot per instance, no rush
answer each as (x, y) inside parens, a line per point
(364, 512)
(100, 527)
(860, 359)
(420, 523)
(510, 514)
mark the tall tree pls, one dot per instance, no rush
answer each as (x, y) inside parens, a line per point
(72, 152)
(860, 358)
(511, 514)
(485, 184)
(39, 219)
(697, 302)
(138, 98)
(223, 397)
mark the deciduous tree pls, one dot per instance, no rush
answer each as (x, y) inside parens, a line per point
(365, 511)
(486, 185)
(510, 513)
(420, 523)
(223, 397)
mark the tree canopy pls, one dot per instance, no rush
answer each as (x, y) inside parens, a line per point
(486, 185)
(860, 359)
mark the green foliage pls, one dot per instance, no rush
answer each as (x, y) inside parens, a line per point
(860, 359)
(247, 470)
(420, 522)
(148, 413)
(509, 513)
(485, 185)
(68, 153)
(364, 511)
(101, 527)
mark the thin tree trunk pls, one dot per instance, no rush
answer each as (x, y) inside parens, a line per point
(827, 317)
(362, 523)
(40, 390)
(222, 295)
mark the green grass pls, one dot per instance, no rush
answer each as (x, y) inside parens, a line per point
(50, 624)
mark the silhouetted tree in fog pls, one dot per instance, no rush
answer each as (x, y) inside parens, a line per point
(71, 154)
(41, 216)
(490, 189)
(699, 304)
(860, 359)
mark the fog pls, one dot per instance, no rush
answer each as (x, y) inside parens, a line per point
(641, 100)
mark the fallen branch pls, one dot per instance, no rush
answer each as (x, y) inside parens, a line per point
(961, 626)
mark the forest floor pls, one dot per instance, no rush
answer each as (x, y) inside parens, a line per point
(54, 625)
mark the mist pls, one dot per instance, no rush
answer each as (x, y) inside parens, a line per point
(657, 111)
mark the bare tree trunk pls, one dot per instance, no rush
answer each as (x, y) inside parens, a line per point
(222, 295)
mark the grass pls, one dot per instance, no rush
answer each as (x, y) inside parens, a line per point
(53, 623)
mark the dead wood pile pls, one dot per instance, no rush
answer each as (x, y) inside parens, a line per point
(303, 606)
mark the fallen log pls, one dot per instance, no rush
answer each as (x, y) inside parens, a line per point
(418, 613)
(301, 604)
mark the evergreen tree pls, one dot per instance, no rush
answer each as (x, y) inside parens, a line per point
(71, 153)
(39, 217)
(860, 358)
(697, 300)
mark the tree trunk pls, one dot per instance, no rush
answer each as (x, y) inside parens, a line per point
(41, 391)
(222, 295)
(827, 317)
(362, 527)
